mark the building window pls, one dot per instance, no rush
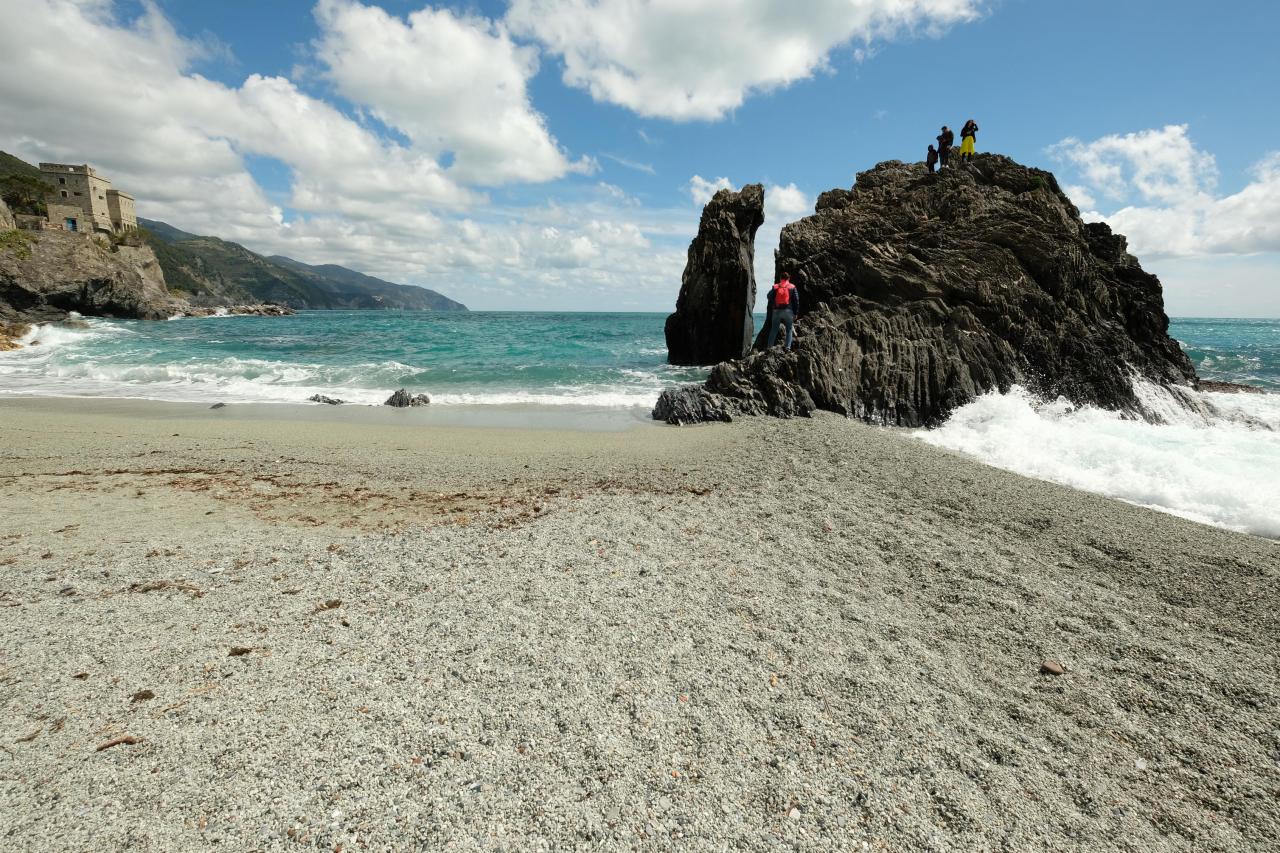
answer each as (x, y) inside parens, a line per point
(62, 181)
(77, 193)
(64, 193)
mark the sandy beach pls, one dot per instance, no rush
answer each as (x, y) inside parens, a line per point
(277, 628)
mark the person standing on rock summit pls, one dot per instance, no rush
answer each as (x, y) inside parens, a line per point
(945, 140)
(931, 159)
(783, 303)
(968, 136)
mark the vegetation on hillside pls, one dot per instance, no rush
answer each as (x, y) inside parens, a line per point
(17, 243)
(24, 195)
(21, 186)
(210, 271)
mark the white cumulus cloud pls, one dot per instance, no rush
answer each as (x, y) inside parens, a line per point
(699, 59)
(391, 204)
(785, 203)
(1161, 165)
(701, 190)
(1163, 194)
(451, 83)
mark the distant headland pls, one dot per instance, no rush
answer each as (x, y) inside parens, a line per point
(71, 242)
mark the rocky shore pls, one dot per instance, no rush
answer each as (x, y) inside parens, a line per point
(232, 632)
(260, 310)
(10, 333)
(47, 276)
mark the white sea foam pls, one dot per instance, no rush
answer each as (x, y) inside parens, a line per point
(42, 339)
(1224, 472)
(59, 361)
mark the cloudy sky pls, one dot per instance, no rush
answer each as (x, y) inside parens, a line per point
(554, 154)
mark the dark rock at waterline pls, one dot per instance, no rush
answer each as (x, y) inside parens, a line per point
(257, 309)
(1229, 387)
(329, 401)
(921, 292)
(692, 405)
(763, 386)
(712, 321)
(218, 406)
(402, 399)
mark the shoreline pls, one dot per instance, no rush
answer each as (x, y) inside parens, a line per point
(816, 632)
(474, 415)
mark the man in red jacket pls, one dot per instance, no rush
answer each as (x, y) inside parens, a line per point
(784, 303)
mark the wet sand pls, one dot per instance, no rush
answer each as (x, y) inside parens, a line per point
(297, 628)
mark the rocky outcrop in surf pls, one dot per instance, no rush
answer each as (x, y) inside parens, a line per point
(923, 291)
(712, 321)
(402, 399)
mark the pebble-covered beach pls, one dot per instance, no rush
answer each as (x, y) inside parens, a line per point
(272, 633)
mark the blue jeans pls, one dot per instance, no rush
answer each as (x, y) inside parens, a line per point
(785, 317)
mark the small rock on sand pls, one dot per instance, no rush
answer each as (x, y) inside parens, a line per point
(1052, 667)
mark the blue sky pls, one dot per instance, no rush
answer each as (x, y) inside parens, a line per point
(553, 144)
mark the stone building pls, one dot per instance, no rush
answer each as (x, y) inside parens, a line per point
(83, 200)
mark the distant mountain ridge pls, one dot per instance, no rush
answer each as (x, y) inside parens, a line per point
(211, 272)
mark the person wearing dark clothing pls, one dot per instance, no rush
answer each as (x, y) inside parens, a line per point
(968, 137)
(931, 159)
(784, 304)
(945, 140)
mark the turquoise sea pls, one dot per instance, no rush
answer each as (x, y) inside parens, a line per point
(479, 357)
(358, 356)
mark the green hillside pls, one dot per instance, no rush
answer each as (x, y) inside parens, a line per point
(210, 271)
(10, 165)
(351, 285)
(21, 186)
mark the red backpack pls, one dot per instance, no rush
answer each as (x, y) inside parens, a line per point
(782, 294)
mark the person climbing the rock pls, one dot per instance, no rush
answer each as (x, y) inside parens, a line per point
(968, 136)
(784, 304)
(931, 159)
(945, 140)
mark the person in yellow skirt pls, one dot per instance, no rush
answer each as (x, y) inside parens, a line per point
(968, 136)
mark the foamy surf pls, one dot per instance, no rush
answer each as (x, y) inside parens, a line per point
(183, 362)
(1224, 471)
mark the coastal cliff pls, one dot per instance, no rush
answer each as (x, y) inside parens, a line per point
(712, 321)
(922, 291)
(45, 275)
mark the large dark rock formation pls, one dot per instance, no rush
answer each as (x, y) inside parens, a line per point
(923, 291)
(713, 321)
(44, 275)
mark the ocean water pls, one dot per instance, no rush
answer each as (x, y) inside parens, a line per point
(1224, 472)
(357, 356)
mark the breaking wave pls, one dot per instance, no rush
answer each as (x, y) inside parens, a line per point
(1222, 470)
(360, 357)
